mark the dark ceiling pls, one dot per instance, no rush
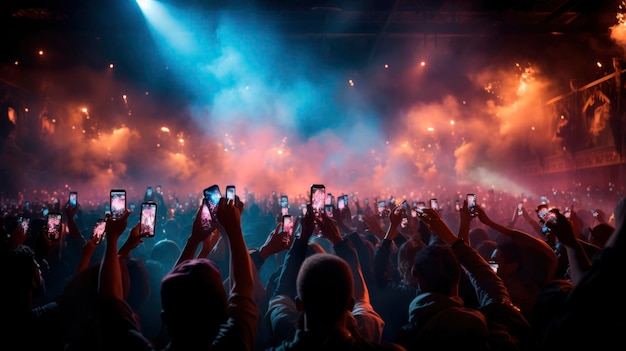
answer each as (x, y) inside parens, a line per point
(93, 33)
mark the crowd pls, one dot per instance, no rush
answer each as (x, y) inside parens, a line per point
(513, 272)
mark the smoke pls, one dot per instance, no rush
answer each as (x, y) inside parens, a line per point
(266, 114)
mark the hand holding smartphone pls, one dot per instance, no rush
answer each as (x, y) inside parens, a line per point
(288, 227)
(117, 202)
(471, 204)
(73, 199)
(54, 225)
(230, 192)
(206, 217)
(284, 205)
(98, 230)
(318, 198)
(213, 195)
(148, 218)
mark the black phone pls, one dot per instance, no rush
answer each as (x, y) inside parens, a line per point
(54, 225)
(318, 197)
(149, 191)
(213, 195)
(73, 199)
(148, 218)
(457, 205)
(471, 203)
(117, 202)
(520, 208)
(230, 192)
(98, 230)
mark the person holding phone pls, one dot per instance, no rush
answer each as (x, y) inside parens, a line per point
(196, 310)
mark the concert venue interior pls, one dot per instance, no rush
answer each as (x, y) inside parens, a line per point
(405, 98)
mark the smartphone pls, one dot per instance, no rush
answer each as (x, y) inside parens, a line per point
(213, 196)
(288, 225)
(330, 199)
(471, 203)
(434, 204)
(494, 266)
(341, 203)
(381, 207)
(206, 217)
(98, 230)
(284, 205)
(117, 203)
(406, 208)
(230, 192)
(318, 197)
(148, 218)
(73, 199)
(149, 191)
(549, 216)
(520, 208)
(303, 209)
(545, 214)
(53, 225)
(567, 212)
(24, 223)
(457, 205)
(328, 209)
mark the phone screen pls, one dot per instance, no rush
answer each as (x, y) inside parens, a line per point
(25, 223)
(457, 205)
(434, 204)
(288, 226)
(284, 205)
(213, 196)
(73, 199)
(118, 203)
(98, 230)
(471, 203)
(205, 216)
(53, 226)
(341, 203)
(148, 218)
(381, 207)
(149, 191)
(318, 197)
(328, 209)
(230, 192)
(494, 266)
(520, 208)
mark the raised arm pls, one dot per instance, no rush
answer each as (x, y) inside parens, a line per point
(110, 278)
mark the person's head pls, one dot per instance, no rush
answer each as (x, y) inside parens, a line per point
(508, 257)
(436, 269)
(166, 252)
(137, 287)
(20, 275)
(477, 236)
(406, 258)
(486, 248)
(599, 234)
(325, 289)
(193, 300)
